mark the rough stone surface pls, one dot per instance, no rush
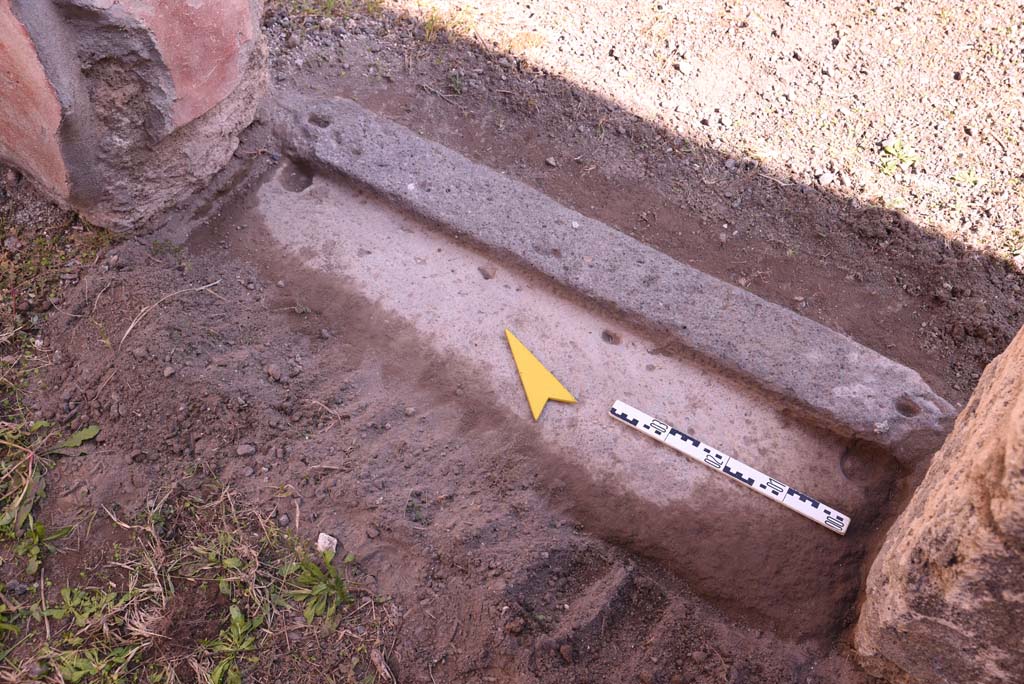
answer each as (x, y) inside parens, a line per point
(30, 115)
(141, 101)
(840, 384)
(945, 596)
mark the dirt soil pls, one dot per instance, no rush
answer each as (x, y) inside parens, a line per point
(325, 411)
(449, 505)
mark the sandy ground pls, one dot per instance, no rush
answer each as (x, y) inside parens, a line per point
(809, 89)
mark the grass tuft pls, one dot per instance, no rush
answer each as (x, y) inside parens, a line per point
(207, 592)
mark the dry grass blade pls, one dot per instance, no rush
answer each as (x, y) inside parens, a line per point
(435, 91)
(145, 310)
(381, 665)
(336, 416)
(7, 335)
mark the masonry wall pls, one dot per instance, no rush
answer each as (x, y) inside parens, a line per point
(121, 108)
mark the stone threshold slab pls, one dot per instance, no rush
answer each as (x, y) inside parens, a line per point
(827, 377)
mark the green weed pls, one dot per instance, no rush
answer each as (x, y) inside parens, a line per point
(10, 616)
(432, 26)
(237, 639)
(968, 177)
(455, 82)
(84, 605)
(319, 587)
(35, 542)
(102, 663)
(21, 473)
(896, 156)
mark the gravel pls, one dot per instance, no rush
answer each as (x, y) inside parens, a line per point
(791, 82)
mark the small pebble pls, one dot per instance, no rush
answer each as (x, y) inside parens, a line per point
(326, 542)
(168, 372)
(566, 652)
(274, 371)
(515, 625)
(284, 519)
(410, 412)
(487, 272)
(551, 161)
(245, 450)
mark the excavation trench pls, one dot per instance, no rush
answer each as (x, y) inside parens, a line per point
(742, 550)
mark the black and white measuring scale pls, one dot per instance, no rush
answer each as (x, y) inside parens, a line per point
(741, 472)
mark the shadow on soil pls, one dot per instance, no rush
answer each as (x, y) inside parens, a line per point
(906, 291)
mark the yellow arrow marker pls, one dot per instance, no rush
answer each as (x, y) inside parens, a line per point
(538, 382)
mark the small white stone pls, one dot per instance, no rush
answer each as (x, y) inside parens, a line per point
(326, 542)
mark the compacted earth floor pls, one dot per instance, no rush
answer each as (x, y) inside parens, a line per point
(218, 369)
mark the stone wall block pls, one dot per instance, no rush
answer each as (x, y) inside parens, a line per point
(122, 108)
(944, 600)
